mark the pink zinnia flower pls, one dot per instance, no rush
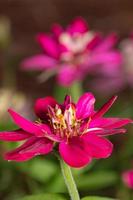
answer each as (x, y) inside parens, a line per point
(120, 76)
(127, 177)
(78, 129)
(73, 52)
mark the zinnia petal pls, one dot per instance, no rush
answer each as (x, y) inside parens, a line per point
(67, 74)
(78, 25)
(29, 149)
(14, 136)
(107, 43)
(85, 106)
(106, 132)
(25, 124)
(104, 58)
(57, 29)
(41, 106)
(110, 123)
(95, 40)
(97, 147)
(104, 108)
(67, 101)
(48, 44)
(74, 152)
(38, 62)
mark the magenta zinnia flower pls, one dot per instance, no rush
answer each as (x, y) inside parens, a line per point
(77, 128)
(73, 52)
(127, 177)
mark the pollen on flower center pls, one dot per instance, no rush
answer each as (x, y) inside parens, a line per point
(64, 123)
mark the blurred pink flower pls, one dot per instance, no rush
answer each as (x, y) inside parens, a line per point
(113, 81)
(78, 129)
(127, 177)
(73, 52)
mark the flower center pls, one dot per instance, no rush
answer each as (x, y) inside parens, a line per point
(64, 123)
(76, 45)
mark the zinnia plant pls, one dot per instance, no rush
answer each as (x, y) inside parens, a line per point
(73, 52)
(74, 131)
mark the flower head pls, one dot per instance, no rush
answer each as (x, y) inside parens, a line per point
(73, 52)
(76, 129)
(127, 177)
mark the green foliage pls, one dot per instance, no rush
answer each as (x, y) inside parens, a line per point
(96, 180)
(86, 181)
(96, 198)
(43, 197)
(7, 126)
(41, 170)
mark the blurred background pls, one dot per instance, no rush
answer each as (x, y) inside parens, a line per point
(20, 21)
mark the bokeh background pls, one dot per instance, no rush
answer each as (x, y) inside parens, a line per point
(20, 21)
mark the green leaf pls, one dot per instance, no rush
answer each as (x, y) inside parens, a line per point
(96, 180)
(57, 185)
(85, 182)
(43, 197)
(96, 198)
(41, 170)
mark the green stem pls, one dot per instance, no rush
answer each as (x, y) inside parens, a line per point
(60, 92)
(69, 181)
(75, 91)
